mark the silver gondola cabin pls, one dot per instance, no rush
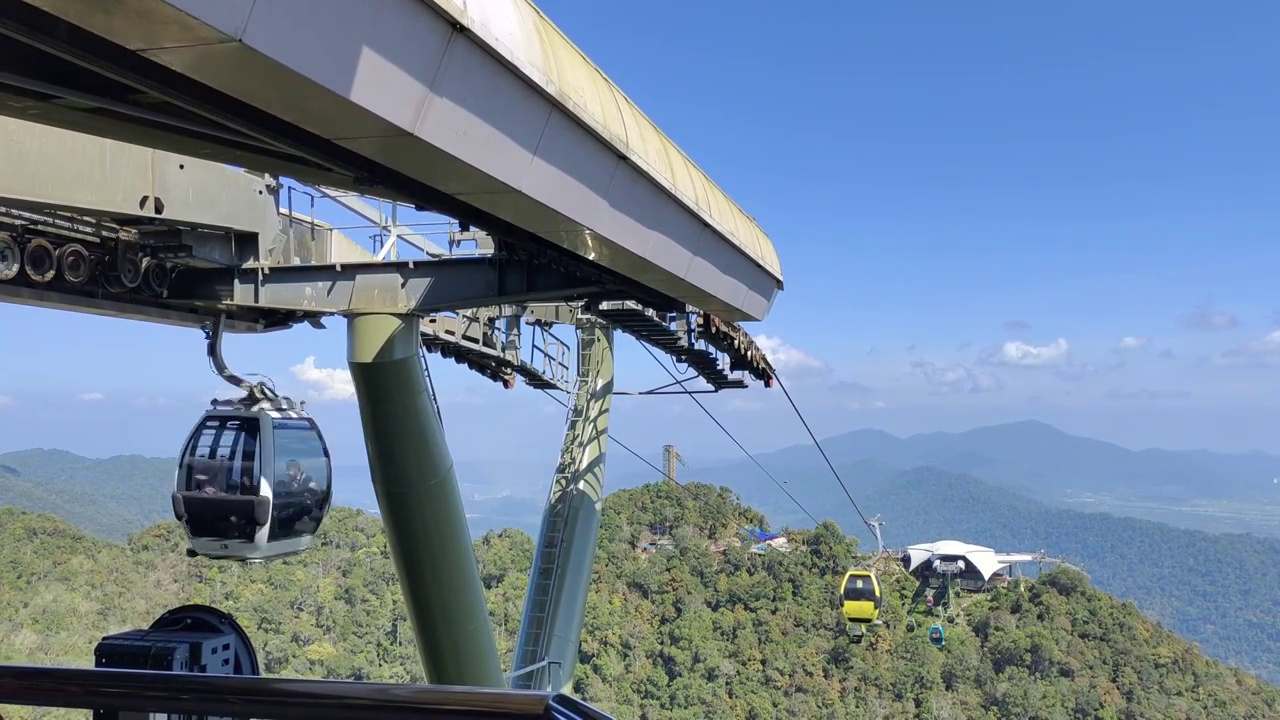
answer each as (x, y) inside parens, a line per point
(254, 478)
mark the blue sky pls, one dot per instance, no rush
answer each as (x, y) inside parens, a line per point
(974, 207)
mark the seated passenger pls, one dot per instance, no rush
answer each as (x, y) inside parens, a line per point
(298, 480)
(202, 478)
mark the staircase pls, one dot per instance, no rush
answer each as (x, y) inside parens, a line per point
(468, 340)
(546, 558)
(647, 327)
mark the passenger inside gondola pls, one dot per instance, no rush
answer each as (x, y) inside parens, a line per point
(202, 478)
(214, 489)
(297, 479)
(301, 484)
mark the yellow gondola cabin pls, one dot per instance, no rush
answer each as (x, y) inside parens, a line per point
(861, 597)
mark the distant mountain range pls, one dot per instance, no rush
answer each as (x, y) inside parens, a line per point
(1198, 489)
(108, 498)
(112, 497)
(1204, 490)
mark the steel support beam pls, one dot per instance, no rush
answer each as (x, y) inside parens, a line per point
(48, 168)
(421, 507)
(135, 309)
(547, 650)
(405, 287)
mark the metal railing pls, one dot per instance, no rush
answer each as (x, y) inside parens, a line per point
(134, 691)
(387, 229)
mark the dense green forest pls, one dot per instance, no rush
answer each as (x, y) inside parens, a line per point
(683, 633)
(1220, 590)
(1233, 614)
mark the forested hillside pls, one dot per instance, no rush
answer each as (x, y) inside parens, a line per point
(1161, 568)
(109, 497)
(1216, 589)
(683, 633)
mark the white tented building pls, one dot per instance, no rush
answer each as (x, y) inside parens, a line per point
(971, 564)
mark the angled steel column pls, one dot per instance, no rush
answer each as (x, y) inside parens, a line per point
(547, 650)
(420, 504)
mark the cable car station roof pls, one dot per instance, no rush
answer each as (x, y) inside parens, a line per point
(243, 251)
(983, 559)
(481, 110)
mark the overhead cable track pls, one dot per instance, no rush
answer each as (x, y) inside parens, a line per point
(824, 452)
(720, 425)
(735, 520)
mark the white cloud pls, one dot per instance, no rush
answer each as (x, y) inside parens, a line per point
(90, 397)
(848, 387)
(1130, 342)
(1208, 318)
(956, 378)
(787, 357)
(877, 405)
(1264, 351)
(1021, 354)
(325, 383)
(1148, 394)
(155, 401)
(6, 400)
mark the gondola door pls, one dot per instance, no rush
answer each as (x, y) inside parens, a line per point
(220, 496)
(301, 479)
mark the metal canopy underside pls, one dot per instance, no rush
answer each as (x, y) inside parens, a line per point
(391, 99)
(237, 252)
(405, 287)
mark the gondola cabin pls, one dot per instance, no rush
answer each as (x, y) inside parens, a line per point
(254, 481)
(860, 593)
(937, 636)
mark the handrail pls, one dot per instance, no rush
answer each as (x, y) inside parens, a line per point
(270, 697)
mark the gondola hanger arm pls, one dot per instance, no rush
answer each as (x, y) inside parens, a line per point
(255, 391)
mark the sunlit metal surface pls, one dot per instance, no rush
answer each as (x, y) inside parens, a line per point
(274, 698)
(481, 111)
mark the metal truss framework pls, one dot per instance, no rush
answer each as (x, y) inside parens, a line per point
(224, 246)
(230, 248)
